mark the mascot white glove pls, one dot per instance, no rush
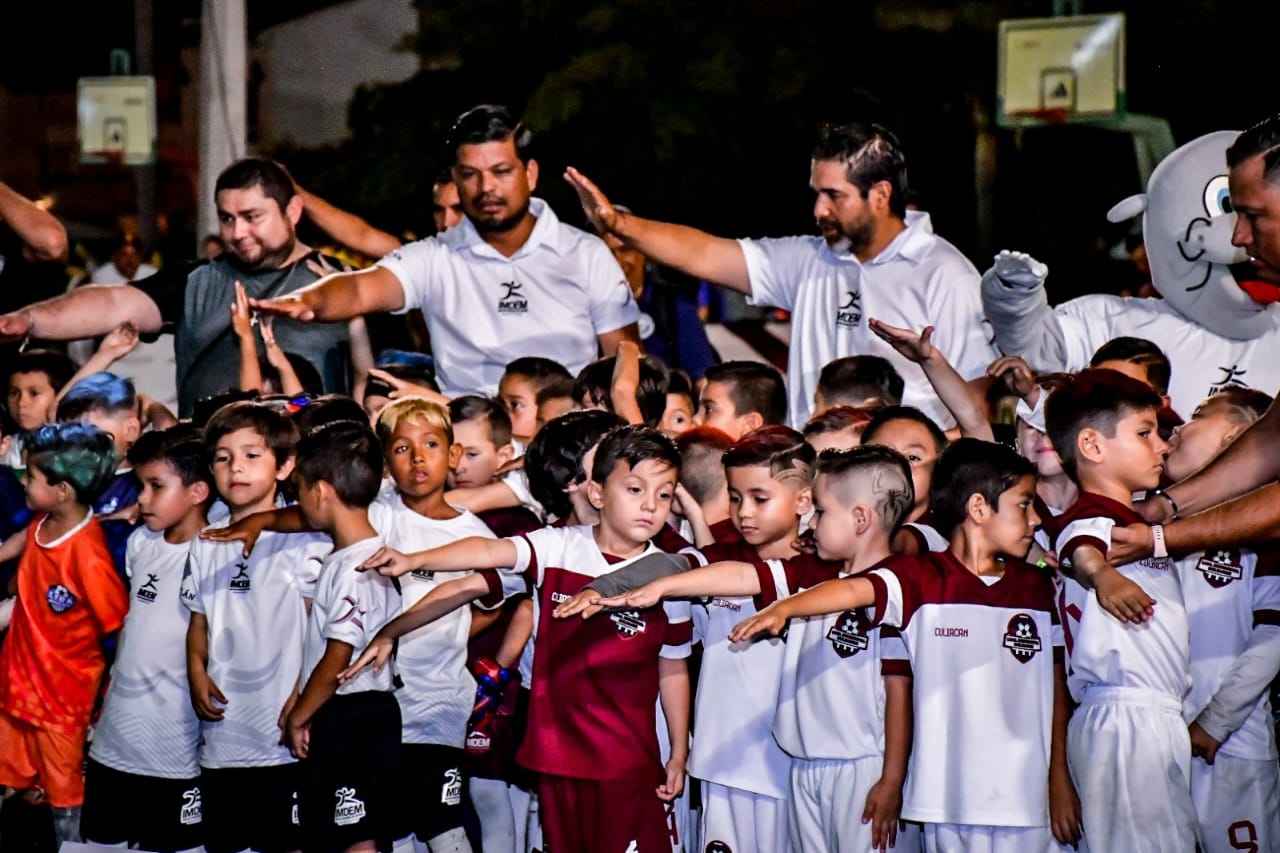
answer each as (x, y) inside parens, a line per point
(1020, 270)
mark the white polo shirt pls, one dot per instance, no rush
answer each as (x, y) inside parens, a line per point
(918, 280)
(552, 298)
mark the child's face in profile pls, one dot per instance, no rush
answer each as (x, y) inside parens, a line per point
(765, 510)
(1200, 439)
(31, 397)
(914, 441)
(550, 409)
(832, 522)
(1010, 529)
(1035, 446)
(677, 417)
(42, 496)
(478, 460)
(419, 456)
(716, 409)
(246, 472)
(520, 399)
(164, 500)
(634, 502)
(1134, 457)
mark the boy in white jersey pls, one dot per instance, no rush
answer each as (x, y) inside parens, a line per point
(988, 766)
(1233, 607)
(347, 733)
(244, 641)
(142, 785)
(1127, 639)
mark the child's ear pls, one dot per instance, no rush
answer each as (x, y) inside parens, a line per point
(455, 455)
(284, 469)
(804, 500)
(5, 443)
(199, 492)
(863, 517)
(977, 508)
(132, 429)
(595, 494)
(1226, 439)
(506, 453)
(751, 421)
(1089, 445)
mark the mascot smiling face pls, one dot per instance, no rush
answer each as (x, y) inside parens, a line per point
(1186, 225)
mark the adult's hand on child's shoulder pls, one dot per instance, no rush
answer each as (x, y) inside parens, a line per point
(1130, 544)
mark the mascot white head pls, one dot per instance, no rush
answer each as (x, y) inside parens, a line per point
(1187, 222)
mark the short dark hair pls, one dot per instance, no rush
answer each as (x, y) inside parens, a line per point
(1094, 398)
(854, 378)
(596, 380)
(553, 460)
(276, 183)
(443, 177)
(538, 370)
(836, 419)
(894, 502)
(53, 364)
(76, 453)
(753, 387)
(904, 413)
(473, 407)
(556, 387)
(98, 392)
(971, 466)
(779, 448)
(347, 456)
(702, 450)
(1262, 138)
(328, 409)
(181, 447)
(307, 374)
(1141, 352)
(276, 428)
(417, 374)
(490, 123)
(871, 154)
(633, 444)
(678, 382)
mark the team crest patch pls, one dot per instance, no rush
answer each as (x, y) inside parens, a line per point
(850, 311)
(60, 598)
(846, 635)
(512, 300)
(1022, 638)
(349, 810)
(629, 623)
(191, 812)
(1220, 568)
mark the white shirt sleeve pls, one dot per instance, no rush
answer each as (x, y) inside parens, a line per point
(889, 608)
(352, 597)
(1094, 531)
(417, 266)
(611, 304)
(1088, 323)
(190, 592)
(678, 613)
(773, 267)
(961, 330)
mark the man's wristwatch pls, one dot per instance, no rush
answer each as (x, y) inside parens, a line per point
(1158, 549)
(1161, 493)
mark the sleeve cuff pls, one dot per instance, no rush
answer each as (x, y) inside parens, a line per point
(1075, 542)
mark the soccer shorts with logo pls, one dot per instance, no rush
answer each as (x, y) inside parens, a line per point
(738, 821)
(603, 816)
(143, 811)
(827, 801)
(1130, 757)
(352, 760)
(1237, 803)
(254, 807)
(31, 756)
(429, 794)
(967, 838)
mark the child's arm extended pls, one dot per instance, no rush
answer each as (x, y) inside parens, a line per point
(288, 519)
(833, 596)
(463, 555)
(728, 578)
(673, 691)
(321, 687)
(626, 383)
(634, 575)
(203, 691)
(490, 496)
(1118, 595)
(12, 548)
(1248, 678)
(884, 800)
(440, 601)
(1064, 804)
(118, 343)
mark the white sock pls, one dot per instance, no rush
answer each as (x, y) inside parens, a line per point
(450, 841)
(497, 821)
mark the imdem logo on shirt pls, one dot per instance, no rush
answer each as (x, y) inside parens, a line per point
(1220, 568)
(1230, 379)
(349, 810)
(190, 812)
(1022, 638)
(846, 637)
(240, 582)
(512, 300)
(850, 311)
(147, 592)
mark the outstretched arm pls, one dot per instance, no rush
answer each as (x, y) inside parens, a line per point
(727, 578)
(833, 596)
(462, 555)
(339, 297)
(38, 229)
(347, 228)
(689, 250)
(952, 389)
(86, 312)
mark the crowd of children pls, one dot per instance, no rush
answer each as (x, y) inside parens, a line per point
(625, 612)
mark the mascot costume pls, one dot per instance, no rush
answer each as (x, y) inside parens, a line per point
(1217, 326)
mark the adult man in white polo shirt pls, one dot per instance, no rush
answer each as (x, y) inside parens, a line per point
(510, 280)
(874, 259)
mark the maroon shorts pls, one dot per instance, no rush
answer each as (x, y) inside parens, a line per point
(588, 815)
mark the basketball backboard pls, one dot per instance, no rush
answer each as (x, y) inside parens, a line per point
(116, 120)
(1054, 70)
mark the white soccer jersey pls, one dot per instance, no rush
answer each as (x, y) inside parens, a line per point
(1227, 592)
(1102, 651)
(982, 658)
(927, 536)
(350, 607)
(918, 280)
(552, 298)
(257, 617)
(148, 726)
(831, 696)
(1203, 363)
(438, 691)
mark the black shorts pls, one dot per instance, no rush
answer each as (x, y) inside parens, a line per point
(254, 807)
(142, 811)
(347, 796)
(432, 788)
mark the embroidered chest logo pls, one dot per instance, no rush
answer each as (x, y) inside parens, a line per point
(850, 311)
(1022, 638)
(240, 581)
(191, 812)
(629, 623)
(349, 810)
(1220, 568)
(60, 599)
(846, 636)
(1230, 379)
(147, 592)
(512, 300)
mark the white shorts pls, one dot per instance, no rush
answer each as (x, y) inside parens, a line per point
(827, 801)
(1237, 803)
(970, 838)
(738, 821)
(1130, 757)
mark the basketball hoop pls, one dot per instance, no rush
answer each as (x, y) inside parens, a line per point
(106, 157)
(1050, 116)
